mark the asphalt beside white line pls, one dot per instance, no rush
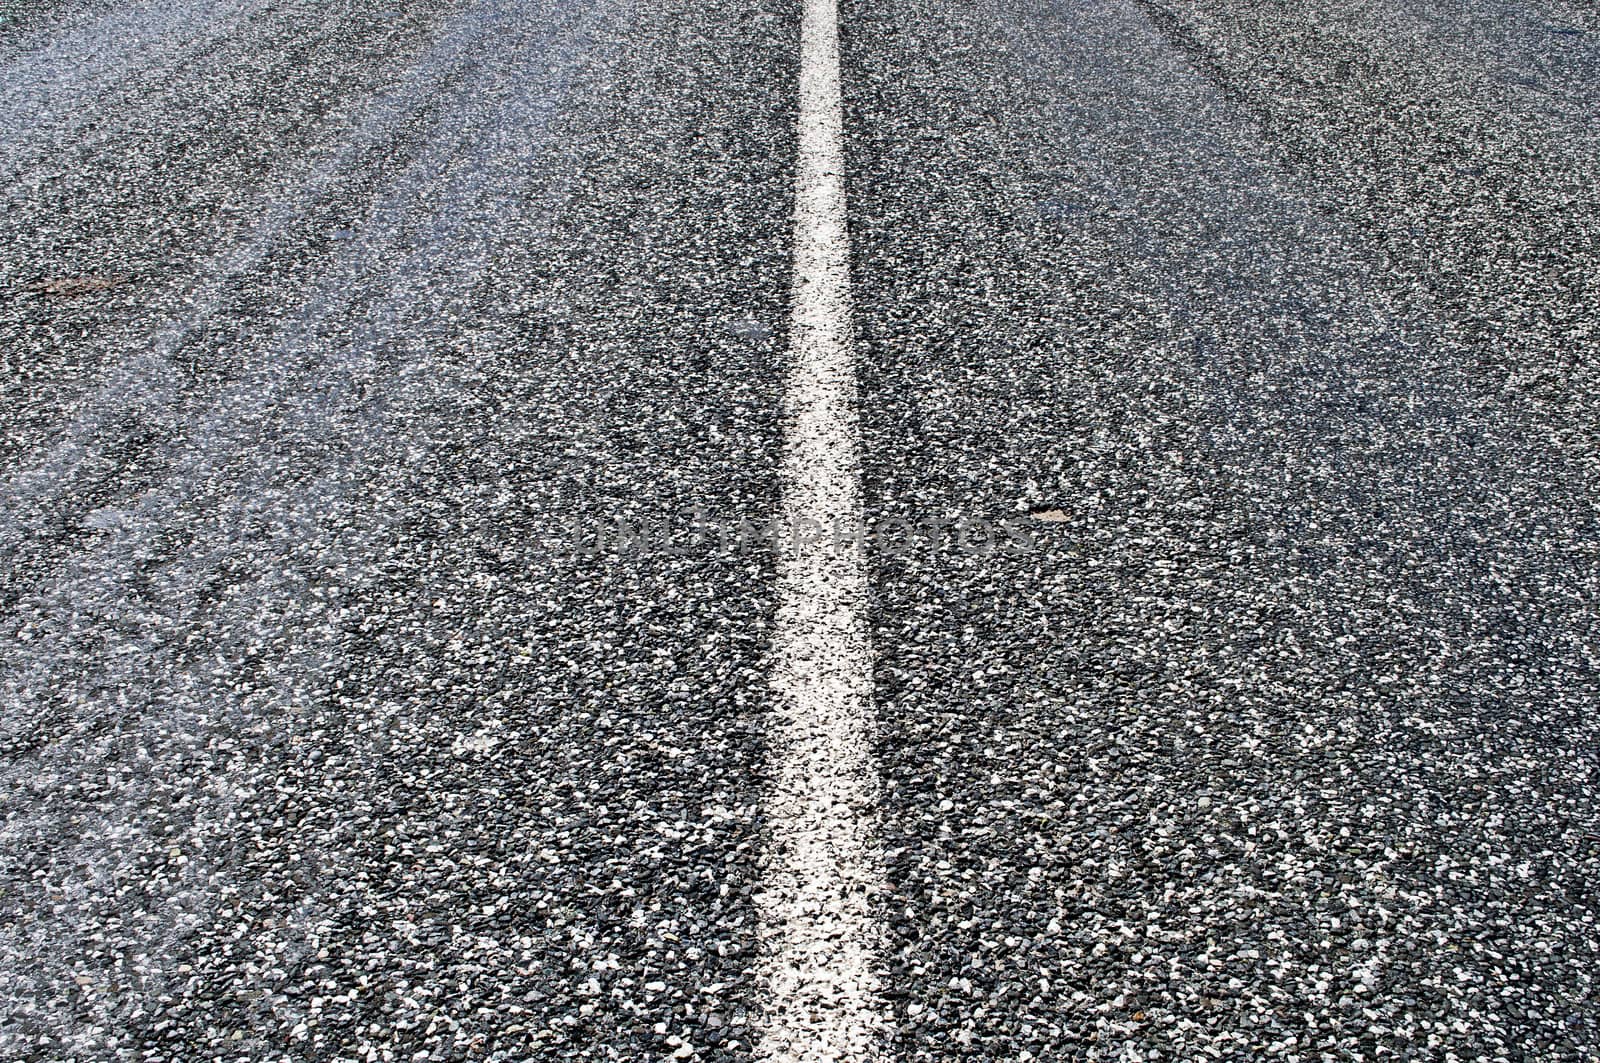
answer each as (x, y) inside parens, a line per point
(822, 879)
(1283, 743)
(317, 741)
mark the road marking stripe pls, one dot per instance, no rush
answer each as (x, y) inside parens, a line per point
(822, 876)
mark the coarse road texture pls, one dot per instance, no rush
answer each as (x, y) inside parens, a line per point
(328, 326)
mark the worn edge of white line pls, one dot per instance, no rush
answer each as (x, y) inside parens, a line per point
(822, 876)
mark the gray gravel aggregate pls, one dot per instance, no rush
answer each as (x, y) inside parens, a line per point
(1283, 745)
(326, 328)
(317, 744)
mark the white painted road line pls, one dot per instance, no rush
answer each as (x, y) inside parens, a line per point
(822, 875)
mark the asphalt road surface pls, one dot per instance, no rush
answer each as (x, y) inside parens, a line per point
(1228, 371)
